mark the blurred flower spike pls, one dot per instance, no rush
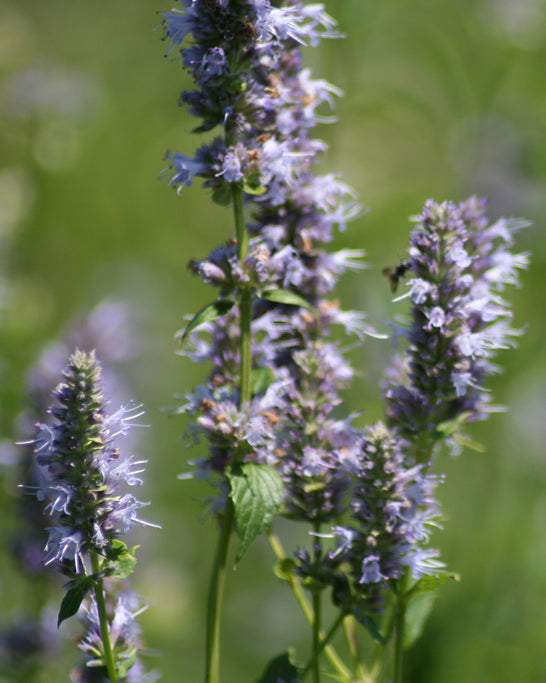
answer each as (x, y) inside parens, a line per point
(83, 481)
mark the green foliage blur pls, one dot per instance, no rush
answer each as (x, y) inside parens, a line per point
(442, 99)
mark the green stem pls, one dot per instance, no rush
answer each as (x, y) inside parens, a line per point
(302, 601)
(103, 620)
(246, 346)
(321, 645)
(317, 613)
(317, 617)
(215, 597)
(350, 628)
(218, 576)
(245, 304)
(399, 626)
(239, 218)
(379, 651)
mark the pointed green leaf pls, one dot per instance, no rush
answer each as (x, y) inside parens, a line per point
(430, 583)
(256, 491)
(73, 599)
(470, 443)
(280, 668)
(373, 628)
(285, 296)
(449, 427)
(206, 315)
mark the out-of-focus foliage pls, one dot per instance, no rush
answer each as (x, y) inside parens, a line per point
(443, 99)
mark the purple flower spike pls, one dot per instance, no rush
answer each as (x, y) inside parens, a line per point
(460, 264)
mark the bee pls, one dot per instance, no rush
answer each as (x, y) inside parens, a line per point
(396, 273)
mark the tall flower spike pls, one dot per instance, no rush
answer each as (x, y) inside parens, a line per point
(83, 483)
(460, 264)
(247, 66)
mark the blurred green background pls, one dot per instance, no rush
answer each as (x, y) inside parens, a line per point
(442, 99)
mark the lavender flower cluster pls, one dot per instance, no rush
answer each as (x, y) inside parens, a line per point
(32, 635)
(460, 265)
(125, 637)
(83, 478)
(81, 469)
(371, 488)
(246, 61)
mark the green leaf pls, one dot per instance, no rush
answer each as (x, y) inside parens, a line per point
(371, 625)
(449, 427)
(470, 443)
(285, 296)
(429, 583)
(204, 127)
(221, 195)
(280, 668)
(421, 597)
(417, 613)
(126, 662)
(206, 315)
(254, 189)
(123, 559)
(260, 379)
(285, 569)
(73, 598)
(256, 492)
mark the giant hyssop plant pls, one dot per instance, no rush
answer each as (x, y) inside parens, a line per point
(270, 409)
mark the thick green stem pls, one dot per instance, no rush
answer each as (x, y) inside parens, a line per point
(103, 620)
(302, 601)
(216, 592)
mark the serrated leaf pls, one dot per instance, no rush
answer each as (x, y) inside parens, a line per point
(285, 296)
(73, 599)
(280, 668)
(260, 379)
(417, 613)
(206, 315)
(256, 492)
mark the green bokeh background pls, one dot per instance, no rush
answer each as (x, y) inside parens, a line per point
(442, 99)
